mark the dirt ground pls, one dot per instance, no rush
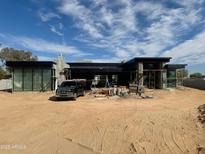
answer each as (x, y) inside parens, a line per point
(30, 123)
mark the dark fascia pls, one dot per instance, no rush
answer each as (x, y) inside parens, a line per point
(91, 64)
(94, 67)
(86, 64)
(136, 59)
(29, 63)
(175, 66)
(147, 59)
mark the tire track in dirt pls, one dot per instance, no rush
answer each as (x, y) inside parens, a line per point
(102, 140)
(174, 141)
(82, 146)
(148, 139)
(173, 146)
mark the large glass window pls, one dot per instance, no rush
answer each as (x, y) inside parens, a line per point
(18, 83)
(171, 79)
(37, 79)
(46, 79)
(27, 77)
(68, 84)
(164, 79)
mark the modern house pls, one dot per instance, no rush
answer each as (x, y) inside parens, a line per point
(41, 75)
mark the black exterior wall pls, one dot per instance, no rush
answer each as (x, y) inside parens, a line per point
(89, 70)
(32, 75)
(123, 70)
(126, 72)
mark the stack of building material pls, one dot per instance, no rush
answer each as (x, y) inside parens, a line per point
(122, 91)
(201, 117)
(100, 92)
(112, 91)
(133, 88)
(104, 91)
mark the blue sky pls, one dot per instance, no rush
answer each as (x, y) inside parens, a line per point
(106, 30)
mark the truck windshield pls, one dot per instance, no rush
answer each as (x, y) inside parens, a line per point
(68, 84)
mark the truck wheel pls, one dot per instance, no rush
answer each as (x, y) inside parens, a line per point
(74, 96)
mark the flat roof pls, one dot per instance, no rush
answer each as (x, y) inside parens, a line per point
(88, 64)
(29, 63)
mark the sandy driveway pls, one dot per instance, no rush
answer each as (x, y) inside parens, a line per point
(30, 123)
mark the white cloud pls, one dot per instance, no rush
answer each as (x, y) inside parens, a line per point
(2, 44)
(122, 54)
(60, 25)
(46, 46)
(106, 16)
(45, 58)
(166, 26)
(2, 35)
(190, 3)
(82, 15)
(106, 60)
(37, 44)
(46, 16)
(128, 28)
(191, 51)
(55, 30)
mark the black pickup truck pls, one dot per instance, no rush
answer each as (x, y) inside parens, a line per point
(71, 89)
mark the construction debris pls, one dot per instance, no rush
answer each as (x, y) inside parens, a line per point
(201, 116)
(121, 91)
(112, 91)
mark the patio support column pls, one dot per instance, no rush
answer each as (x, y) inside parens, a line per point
(140, 88)
(140, 74)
